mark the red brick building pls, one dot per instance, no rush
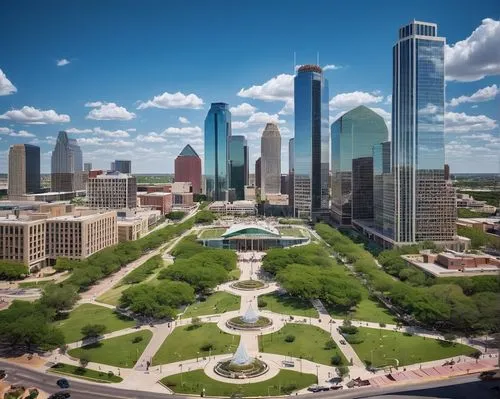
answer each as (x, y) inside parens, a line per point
(188, 168)
(157, 200)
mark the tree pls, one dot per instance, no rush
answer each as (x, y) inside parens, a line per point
(84, 360)
(342, 371)
(10, 270)
(196, 322)
(175, 215)
(449, 337)
(93, 330)
(336, 360)
(63, 264)
(205, 217)
(59, 296)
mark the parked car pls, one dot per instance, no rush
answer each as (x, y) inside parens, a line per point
(318, 388)
(63, 383)
(490, 375)
(336, 387)
(60, 395)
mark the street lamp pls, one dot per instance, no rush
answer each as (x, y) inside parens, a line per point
(317, 373)
(180, 365)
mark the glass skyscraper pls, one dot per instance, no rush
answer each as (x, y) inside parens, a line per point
(291, 171)
(123, 166)
(383, 189)
(353, 136)
(238, 165)
(424, 203)
(270, 150)
(66, 165)
(24, 170)
(217, 133)
(311, 143)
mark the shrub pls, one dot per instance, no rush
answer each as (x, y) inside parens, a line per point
(408, 334)
(348, 329)
(207, 347)
(336, 360)
(449, 337)
(354, 339)
(93, 330)
(196, 322)
(342, 371)
(330, 344)
(290, 338)
(261, 303)
(110, 374)
(137, 339)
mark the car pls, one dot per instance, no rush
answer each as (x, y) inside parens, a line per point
(63, 383)
(489, 375)
(60, 395)
(342, 342)
(318, 388)
(336, 387)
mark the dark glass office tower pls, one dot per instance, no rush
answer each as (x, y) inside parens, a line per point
(238, 165)
(353, 136)
(123, 166)
(424, 203)
(32, 168)
(311, 143)
(258, 176)
(24, 170)
(217, 133)
(291, 170)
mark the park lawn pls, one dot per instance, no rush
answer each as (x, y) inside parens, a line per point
(112, 296)
(212, 233)
(85, 374)
(35, 284)
(91, 314)
(289, 305)
(366, 310)
(118, 351)
(185, 342)
(291, 232)
(219, 302)
(389, 345)
(309, 343)
(193, 382)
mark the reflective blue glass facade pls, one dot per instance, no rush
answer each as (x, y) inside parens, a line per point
(238, 161)
(32, 153)
(311, 143)
(353, 136)
(217, 133)
(423, 209)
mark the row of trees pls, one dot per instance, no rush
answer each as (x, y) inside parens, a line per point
(479, 238)
(196, 270)
(308, 272)
(143, 271)
(10, 270)
(444, 305)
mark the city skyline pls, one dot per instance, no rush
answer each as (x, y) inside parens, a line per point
(149, 119)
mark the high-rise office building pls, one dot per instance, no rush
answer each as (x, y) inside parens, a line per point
(284, 184)
(353, 136)
(87, 166)
(258, 169)
(114, 190)
(217, 133)
(24, 170)
(123, 166)
(188, 168)
(238, 165)
(383, 189)
(270, 158)
(311, 160)
(66, 165)
(291, 170)
(424, 204)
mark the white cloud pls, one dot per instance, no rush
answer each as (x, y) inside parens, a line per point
(108, 111)
(193, 130)
(455, 122)
(262, 118)
(184, 120)
(151, 138)
(132, 129)
(477, 56)
(288, 108)
(6, 86)
(111, 133)
(353, 99)
(485, 94)
(331, 67)
(238, 125)
(388, 99)
(89, 140)
(244, 109)
(176, 100)
(11, 132)
(278, 88)
(78, 131)
(62, 62)
(34, 116)
(121, 143)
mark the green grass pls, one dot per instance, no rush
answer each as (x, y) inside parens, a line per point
(91, 314)
(218, 302)
(35, 284)
(85, 374)
(119, 351)
(112, 296)
(366, 310)
(193, 382)
(291, 232)
(309, 343)
(389, 345)
(212, 233)
(185, 343)
(288, 305)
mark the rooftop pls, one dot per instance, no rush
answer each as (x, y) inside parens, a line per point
(250, 229)
(310, 68)
(188, 151)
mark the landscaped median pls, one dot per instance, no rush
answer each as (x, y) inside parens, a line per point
(122, 351)
(194, 382)
(219, 302)
(86, 374)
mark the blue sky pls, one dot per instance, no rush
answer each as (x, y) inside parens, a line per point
(134, 79)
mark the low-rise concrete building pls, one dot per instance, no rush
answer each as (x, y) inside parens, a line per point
(161, 201)
(112, 191)
(233, 208)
